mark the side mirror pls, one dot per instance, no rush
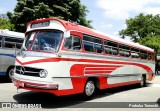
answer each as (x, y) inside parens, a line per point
(67, 34)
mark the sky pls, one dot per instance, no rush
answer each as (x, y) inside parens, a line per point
(108, 16)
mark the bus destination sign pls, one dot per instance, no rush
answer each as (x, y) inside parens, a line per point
(40, 24)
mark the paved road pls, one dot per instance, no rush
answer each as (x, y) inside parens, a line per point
(128, 94)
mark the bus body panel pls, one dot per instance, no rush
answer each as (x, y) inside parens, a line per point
(8, 58)
(8, 48)
(71, 73)
(68, 70)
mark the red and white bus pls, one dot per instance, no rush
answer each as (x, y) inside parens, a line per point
(64, 58)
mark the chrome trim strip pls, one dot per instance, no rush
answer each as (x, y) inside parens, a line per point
(29, 80)
(28, 71)
(41, 87)
(101, 75)
(98, 55)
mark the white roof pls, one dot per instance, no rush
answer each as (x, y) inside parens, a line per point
(123, 41)
(12, 34)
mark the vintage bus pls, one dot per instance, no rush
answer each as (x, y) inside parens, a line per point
(10, 42)
(64, 58)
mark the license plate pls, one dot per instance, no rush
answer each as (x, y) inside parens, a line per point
(19, 84)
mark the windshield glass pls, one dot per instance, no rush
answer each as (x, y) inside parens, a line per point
(46, 40)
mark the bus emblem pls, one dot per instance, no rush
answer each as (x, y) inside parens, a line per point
(22, 70)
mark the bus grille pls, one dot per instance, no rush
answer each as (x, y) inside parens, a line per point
(28, 71)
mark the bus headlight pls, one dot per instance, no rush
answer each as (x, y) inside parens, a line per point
(43, 73)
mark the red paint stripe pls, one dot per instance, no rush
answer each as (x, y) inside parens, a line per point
(148, 69)
(39, 61)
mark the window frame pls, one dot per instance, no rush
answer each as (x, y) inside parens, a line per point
(94, 42)
(133, 49)
(111, 47)
(143, 53)
(12, 43)
(151, 56)
(73, 36)
(127, 49)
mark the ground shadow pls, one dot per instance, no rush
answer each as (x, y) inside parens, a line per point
(158, 101)
(48, 100)
(4, 79)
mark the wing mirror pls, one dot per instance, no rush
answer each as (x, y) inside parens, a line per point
(67, 34)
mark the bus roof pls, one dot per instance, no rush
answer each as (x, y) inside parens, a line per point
(12, 34)
(75, 27)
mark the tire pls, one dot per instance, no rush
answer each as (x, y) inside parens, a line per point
(10, 73)
(143, 81)
(89, 89)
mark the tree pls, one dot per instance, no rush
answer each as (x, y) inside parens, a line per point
(152, 41)
(28, 10)
(4, 24)
(144, 29)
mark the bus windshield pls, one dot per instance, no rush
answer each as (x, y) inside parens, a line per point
(43, 40)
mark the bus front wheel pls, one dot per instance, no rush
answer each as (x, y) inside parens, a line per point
(89, 89)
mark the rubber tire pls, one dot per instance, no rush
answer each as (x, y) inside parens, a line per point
(9, 75)
(89, 89)
(143, 81)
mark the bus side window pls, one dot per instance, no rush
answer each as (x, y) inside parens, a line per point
(143, 54)
(98, 45)
(76, 43)
(11, 42)
(110, 47)
(88, 43)
(92, 44)
(135, 53)
(124, 50)
(73, 43)
(8, 43)
(150, 56)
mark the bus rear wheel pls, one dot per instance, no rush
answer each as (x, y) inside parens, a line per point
(89, 89)
(143, 81)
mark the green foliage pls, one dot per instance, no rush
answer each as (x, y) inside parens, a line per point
(144, 29)
(4, 24)
(152, 41)
(28, 10)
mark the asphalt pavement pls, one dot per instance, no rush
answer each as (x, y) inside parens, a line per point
(114, 99)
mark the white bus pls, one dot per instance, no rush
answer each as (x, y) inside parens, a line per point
(9, 42)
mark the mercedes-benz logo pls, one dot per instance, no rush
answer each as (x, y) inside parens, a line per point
(22, 70)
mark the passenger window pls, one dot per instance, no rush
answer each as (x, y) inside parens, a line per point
(88, 46)
(92, 44)
(110, 47)
(124, 50)
(72, 43)
(11, 42)
(150, 56)
(135, 53)
(143, 54)
(98, 45)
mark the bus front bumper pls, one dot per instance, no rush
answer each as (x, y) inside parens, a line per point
(22, 84)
